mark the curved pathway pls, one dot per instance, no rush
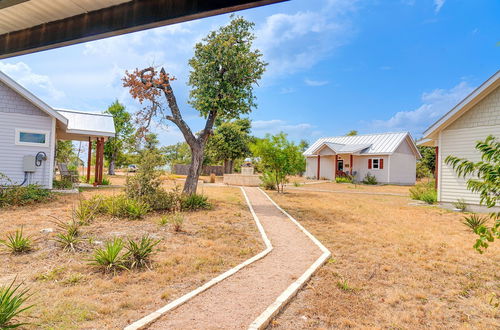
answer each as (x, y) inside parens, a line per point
(240, 299)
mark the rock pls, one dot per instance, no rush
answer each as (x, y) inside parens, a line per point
(303, 317)
(47, 230)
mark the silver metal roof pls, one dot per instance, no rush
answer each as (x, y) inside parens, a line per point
(371, 144)
(89, 123)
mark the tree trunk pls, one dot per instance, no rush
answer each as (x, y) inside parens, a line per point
(226, 166)
(194, 170)
(111, 168)
(231, 166)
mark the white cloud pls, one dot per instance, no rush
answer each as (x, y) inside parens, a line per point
(41, 85)
(315, 83)
(438, 4)
(434, 105)
(295, 131)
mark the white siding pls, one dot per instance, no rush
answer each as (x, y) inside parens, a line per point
(326, 167)
(361, 168)
(11, 155)
(460, 143)
(311, 167)
(402, 165)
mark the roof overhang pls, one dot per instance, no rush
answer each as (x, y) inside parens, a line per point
(83, 125)
(471, 100)
(28, 26)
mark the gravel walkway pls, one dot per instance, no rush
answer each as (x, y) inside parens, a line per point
(238, 300)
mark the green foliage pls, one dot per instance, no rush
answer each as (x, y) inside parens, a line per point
(352, 133)
(474, 221)
(17, 242)
(279, 157)
(121, 206)
(177, 154)
(86, 210)
(427, 164)
(62, 184)
(65, 153)
(124, 132)
(195, 202)
(370, 179)
(424, 191)
(12, 299)
(303, 145)
(68, 235)
(343, 179)
(13, 195)
(139, 252)
(146, 182)
(224, 69)
(268, 180)
(111, 257)
(176, 220)
(460, 205)
(483, 177)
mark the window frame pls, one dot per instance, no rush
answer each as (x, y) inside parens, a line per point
(378, 159)
(32, 131)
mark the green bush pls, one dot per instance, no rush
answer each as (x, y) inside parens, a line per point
(111, 257)
(123, 207)
(19, 196)
(105, 180)
(139, 252)
(12, 299)
(370, 179)
(268, 181)
(17, 242)
(62, 184)
(195, 202)
(424, 191)
(343, 179)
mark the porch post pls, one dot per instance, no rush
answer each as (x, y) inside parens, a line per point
(436, 167)
(350, 163)
(319, 165)
(335, 167)
(97, 160)
(101, 163)
(89, 159)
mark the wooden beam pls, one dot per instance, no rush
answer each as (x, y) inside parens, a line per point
(128, 17)
(319, 166)
(97, 160)
(436, 167)
(89, 160)
(101, 163)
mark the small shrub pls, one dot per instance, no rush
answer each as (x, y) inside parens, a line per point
(62, 184)
(12, 299)
(20, 196)
(195, 202)
(17, 242)
(474, 221)
(163, 221)
(176, 220)
(370, 179)
(140, 252)
(123, 207)
(460, 205)
(86, 210)
(111, 257)
(68, 237)
(161, 201)
(424, 191)
(268, 181)
(343, 179)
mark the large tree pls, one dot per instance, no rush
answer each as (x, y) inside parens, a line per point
(114, 147)
(224, 70)
(230, 142)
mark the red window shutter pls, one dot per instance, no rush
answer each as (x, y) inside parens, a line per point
(381, 163)
(369, 164)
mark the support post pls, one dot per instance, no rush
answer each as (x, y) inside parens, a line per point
(89, 159)
(351, 161)
(319, 165)
(101, 169)
(436, 167)
(97, 160)
(335, 167)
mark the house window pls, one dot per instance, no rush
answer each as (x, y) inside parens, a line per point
(376, 163)
(30, 137)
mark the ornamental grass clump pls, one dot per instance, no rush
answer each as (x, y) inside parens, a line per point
(68, 235)
(139, 253)
(112, 257)
(17, 242)
(12, 301)
(424, 191)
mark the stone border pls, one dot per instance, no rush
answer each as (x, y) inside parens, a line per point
(141, 323)
(263, 320)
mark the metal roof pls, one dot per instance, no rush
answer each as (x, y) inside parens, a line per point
(88, 123)
(370, 144)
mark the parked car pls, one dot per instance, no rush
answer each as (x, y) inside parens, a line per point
(132, 168)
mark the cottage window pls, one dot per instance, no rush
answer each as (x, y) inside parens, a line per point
(376, 163)
(30, 137)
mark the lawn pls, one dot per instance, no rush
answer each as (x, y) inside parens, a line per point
(394, 265)
(70, 293)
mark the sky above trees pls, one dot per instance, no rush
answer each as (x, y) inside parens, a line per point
(334, 65)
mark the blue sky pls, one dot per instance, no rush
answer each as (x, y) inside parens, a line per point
(334, 65)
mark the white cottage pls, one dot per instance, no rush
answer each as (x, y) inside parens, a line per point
(29, 130)
(390, 157)
(457, 132)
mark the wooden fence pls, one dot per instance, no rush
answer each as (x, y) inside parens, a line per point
(182, 169)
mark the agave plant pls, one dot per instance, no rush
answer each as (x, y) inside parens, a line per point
(17, 242)
(474, 221)
(12, 299)
(111, 257)
(140, 252)
(68, 237)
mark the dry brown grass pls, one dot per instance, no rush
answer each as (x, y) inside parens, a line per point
(69, 293)
(349, 187)
(393, 266)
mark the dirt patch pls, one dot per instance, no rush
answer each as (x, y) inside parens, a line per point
(69, 293)
(393, 266)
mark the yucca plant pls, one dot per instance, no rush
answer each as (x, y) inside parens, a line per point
(140, 252)
(86, 211)
(474, 221)
(68, 237)
(12, 299)
(111, 257)
(17, 242)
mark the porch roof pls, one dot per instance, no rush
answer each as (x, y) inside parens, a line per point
(342, 148)
(82, 125)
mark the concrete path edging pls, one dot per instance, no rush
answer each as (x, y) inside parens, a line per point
(263, 319)
(141, 323)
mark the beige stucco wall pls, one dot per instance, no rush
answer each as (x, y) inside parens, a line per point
(485, 113)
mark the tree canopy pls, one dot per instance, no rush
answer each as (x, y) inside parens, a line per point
(114, 146)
